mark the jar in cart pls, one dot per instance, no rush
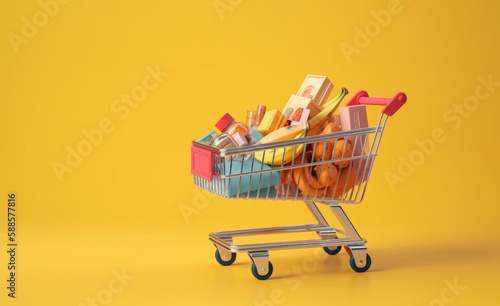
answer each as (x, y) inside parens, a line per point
(224, 141)
(228, 125)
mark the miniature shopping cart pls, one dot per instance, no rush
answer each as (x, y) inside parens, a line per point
(236, 174)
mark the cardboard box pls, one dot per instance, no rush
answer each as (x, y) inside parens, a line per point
(271, 121)
(303, 117)
(295, 102)
(316, 87)
(247, 182)
(335, 119)
(351, 118)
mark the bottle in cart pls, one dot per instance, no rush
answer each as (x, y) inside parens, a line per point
(234, 134)
(228, 125)
(223, 141)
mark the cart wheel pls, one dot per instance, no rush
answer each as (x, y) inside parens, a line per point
(361, 269)
(262, 277)
(222, 261)
(332, 252)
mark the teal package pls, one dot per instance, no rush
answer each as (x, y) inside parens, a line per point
(256, 135)
(249, 182)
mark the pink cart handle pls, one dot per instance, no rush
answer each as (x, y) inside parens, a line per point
(391, 104)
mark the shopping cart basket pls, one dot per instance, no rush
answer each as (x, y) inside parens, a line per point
(236, 174)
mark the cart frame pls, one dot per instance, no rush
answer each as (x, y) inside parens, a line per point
(218, 180)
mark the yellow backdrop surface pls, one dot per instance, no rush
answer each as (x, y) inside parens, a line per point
(100, 101)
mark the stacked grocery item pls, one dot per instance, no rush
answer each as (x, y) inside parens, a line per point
(306, 114)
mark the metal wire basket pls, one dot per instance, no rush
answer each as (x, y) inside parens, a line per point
(323, 169)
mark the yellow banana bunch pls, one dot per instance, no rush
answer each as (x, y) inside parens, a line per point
(279, 156)
(328, 109)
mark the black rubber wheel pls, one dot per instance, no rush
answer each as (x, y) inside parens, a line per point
(223, 262)
(332, 252)
(262, 277)
(368, 263)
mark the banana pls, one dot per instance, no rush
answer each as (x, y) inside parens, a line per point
(338, 98)
(317, 130)
(284, 133)
(328, 109)
(279, 155)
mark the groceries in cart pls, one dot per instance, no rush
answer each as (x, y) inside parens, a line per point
(305, 151)
(316, 169)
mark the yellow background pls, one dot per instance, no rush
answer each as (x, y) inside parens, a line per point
(119, 207)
